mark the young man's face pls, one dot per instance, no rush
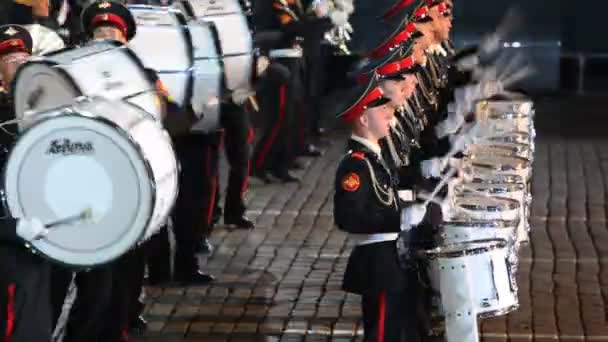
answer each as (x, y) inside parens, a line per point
(377, 120)
(442, 25)
(109, 32)
(394, 90)
(9, 64)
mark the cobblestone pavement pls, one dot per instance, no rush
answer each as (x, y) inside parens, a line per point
(281, 282)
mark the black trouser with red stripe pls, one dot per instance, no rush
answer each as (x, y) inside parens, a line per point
(275, 150)
(25, 308)
(238, 138)
(390, 317)
(193, 211)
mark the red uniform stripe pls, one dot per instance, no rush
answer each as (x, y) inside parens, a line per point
(10, 313)
(259, 163)
(381, 316)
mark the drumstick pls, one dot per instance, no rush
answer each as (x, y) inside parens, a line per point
(254, 103)
(443, 181)
(426, 196)
(85, 215)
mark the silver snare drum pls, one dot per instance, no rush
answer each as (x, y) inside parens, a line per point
(479, 269)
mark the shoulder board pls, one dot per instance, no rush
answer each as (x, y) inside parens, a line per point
(358, 155)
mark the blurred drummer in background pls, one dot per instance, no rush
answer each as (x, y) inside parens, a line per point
(25, 312)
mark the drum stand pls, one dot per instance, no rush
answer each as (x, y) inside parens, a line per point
(456, 302)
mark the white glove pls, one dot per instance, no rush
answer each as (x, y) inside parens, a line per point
(239, 96)
(450, 125)
(468, 63)
(447, 212)
(31, 229)
(346, 5)
(491, 88)
(412, 216)
(338, 18)
(460, 142)
(489, 44)
(431, 168)
(320, 7)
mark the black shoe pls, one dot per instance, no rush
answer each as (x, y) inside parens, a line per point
(297, 165)
(205, 247)
(241, 222)
(217, 214)
(285, 176)
(261, 175)
(194, 278)
(138, 326)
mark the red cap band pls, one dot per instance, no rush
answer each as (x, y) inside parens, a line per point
(357, 110)
(12, 45)
(421, 13)
(395, 67)
(112, 19)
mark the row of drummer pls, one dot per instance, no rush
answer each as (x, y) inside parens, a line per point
(410, 103)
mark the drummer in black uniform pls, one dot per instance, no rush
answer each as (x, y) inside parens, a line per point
(366, 204)
(25, 312)
(110, 308)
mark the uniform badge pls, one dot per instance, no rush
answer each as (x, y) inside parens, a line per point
(351, 182)
(105, 4)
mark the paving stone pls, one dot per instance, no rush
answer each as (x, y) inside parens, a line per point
(282, 281)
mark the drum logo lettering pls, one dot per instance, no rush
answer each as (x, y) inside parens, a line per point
(67, 147)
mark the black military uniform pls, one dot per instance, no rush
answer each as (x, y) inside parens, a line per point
(284, 136)
(25, 313)
(366, 204)
(97, 304)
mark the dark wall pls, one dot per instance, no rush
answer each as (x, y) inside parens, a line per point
(580, 26)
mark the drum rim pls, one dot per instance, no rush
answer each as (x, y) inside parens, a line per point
(479, 161)
(504, 178)
(500, 312)
(511, 204)
(491, 224)
(68, 110)
(492, 188)
(519, 134)
(507, 115)
(514, 146)
(490, 245)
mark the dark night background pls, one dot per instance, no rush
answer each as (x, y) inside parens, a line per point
(551, 33)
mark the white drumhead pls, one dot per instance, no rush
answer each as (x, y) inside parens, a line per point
(40, 87)
(68, 163)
